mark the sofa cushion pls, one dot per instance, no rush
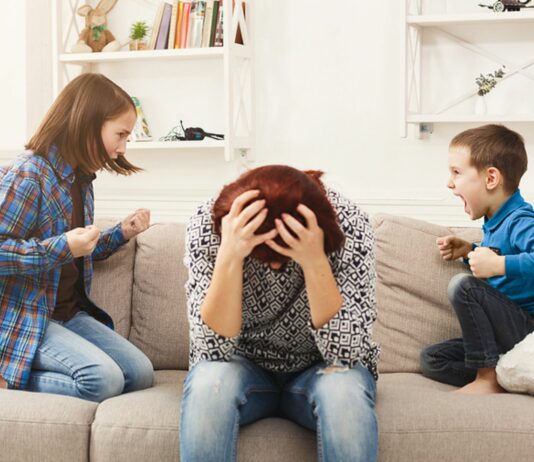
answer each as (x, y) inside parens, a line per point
(42, 427)
(420, 420)
(112, 283)
(412, 279)
(159, 318)
(144, 426)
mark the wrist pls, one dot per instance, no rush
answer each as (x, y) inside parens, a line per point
(229, 259)
(501, 265)
(316, 265)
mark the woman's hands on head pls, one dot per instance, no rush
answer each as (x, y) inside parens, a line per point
(306, 244)
(238, 227)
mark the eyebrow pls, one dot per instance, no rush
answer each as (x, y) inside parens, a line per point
(126, 131)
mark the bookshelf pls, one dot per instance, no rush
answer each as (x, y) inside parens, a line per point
(210, 87)
(491, 39)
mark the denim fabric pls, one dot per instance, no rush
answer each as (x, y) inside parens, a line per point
(84, 358)
(491, 325)
(221, 396)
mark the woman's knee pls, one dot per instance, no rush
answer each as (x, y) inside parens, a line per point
(138, 373)
(214, 380)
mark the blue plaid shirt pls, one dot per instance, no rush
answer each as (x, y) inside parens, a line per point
(35, 213)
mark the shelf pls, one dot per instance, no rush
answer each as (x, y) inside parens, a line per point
(144, 55)
(151, 145)
(481, 18)
(468, 118)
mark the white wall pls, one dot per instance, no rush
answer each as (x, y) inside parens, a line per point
(328, 97)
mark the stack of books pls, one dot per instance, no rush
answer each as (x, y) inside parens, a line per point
(188, 24)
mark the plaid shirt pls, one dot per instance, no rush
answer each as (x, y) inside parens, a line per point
(35, 213)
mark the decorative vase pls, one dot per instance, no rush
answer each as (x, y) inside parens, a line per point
(136, 45)
(481, 107)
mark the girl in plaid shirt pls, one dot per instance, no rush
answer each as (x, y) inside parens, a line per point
(52, 337)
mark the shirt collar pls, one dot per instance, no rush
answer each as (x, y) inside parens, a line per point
(514, 202)
(63, 169)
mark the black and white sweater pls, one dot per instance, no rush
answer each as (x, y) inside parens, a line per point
(276, 331)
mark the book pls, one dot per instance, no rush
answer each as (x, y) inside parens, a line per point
(208, 20)
(155, 27)
(196, 20)
(219, 28)
(164, 28)
(185, 24)
(172, 29)
(179, 24)
(140, 132)
(214, 22)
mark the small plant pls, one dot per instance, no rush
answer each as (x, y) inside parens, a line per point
(487, 82)
(139, 30)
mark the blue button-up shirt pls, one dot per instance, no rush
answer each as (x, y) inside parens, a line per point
(35, 214)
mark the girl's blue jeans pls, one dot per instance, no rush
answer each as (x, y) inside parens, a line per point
(219, 397)
(84, 358)
(491, 325)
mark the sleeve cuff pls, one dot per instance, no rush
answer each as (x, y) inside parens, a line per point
(512, 265)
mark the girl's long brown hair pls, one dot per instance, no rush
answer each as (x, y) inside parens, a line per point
(74, 124)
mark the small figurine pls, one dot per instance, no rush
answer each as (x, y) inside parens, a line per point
(507, 5)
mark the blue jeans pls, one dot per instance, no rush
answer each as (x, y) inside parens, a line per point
(221, 396)
(84, 358)
(491, 325)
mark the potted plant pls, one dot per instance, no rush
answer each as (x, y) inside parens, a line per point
(485, 84)
(138, 33)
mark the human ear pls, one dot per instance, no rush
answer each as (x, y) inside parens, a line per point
(493, 178)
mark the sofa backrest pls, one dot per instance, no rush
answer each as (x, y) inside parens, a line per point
(142, 288)
(412, 279)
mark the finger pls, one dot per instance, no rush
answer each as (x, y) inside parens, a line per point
(249, 212)
(307, 213)
(255, 223)
(285, 234)
(471, 254)
(278, 248)
(241, 200)
(260, 239)
(293, 224)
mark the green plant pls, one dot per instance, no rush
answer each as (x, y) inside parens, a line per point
(487, 82)
(138, 30)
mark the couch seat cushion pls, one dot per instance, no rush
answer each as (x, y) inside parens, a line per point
(420, 420)
(42, 427)
(144, 426)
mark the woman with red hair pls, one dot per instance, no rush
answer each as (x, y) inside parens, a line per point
(281, 302)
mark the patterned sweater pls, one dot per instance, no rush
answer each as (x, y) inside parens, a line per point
(276, 331)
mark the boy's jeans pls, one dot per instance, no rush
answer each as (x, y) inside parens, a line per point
(84, 358)
(221, 396)
(491, 325)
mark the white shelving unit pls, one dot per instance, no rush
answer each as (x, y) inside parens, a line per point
(416, 24)
(234, 62)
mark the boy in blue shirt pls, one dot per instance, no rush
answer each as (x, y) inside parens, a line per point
(494, 304)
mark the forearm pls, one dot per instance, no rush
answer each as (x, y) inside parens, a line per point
(221, 309)
(323, 293)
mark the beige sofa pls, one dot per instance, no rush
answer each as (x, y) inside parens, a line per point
(142, 286)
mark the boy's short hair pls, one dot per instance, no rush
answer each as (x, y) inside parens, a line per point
(496, 146)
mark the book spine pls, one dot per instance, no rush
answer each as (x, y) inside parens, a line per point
(172, 29)
(214, 22)
(179, 24)
(219, 31)
(206, 28)
(155, 27)
(163, 35)
(185, 25)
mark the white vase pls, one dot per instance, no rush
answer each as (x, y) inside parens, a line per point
(481, 107)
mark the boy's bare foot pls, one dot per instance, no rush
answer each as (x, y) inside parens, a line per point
(485, 383)
(3, 383)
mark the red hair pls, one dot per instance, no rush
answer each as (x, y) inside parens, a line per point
(283, 189)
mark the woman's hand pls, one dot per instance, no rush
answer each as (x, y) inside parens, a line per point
(307, 248)
(239, 225)
(135, 223)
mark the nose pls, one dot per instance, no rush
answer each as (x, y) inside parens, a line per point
(450, 184)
